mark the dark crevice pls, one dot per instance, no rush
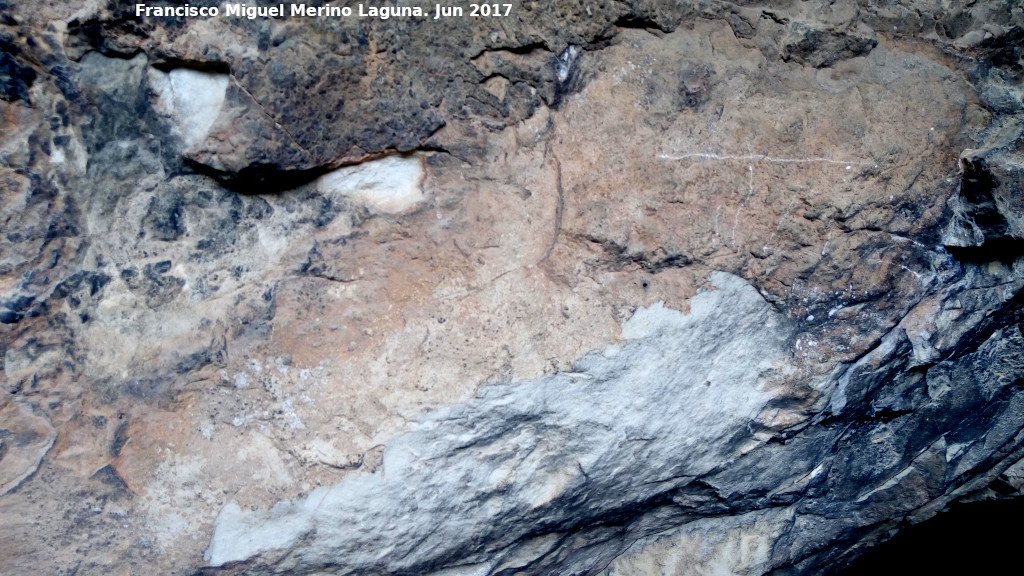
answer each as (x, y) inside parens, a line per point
(884, 415)
(259, 178)
(982, 218)
(521, 50)
(169, 64)
(1006, 250)
(982, 531)
(639, 22)
(777, 18)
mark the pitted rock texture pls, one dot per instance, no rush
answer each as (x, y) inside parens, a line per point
(619, 288)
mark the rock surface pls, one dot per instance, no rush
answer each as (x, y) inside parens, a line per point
(618, 288)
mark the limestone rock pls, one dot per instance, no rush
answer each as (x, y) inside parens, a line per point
(634, 287)
(24, 440)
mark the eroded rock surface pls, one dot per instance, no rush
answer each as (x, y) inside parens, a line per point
(626, 288)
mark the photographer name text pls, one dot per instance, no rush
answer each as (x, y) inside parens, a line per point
(382, 12)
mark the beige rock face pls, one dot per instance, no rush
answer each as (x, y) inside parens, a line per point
(740, 545)
(645, 291)
(28, 437)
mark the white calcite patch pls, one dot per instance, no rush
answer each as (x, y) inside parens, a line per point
(613, 432)
(647, 321)
(191, 98)
(389, 185)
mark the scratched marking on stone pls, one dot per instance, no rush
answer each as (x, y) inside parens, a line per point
(763, 158)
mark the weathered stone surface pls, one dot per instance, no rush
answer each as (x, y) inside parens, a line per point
(579, 445)
(25, 440)
(601, 288)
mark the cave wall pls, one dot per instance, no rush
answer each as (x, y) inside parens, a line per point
(617, 288)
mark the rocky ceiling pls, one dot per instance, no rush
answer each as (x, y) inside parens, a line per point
(617, 288)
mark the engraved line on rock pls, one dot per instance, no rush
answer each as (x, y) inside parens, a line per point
(763, 158)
